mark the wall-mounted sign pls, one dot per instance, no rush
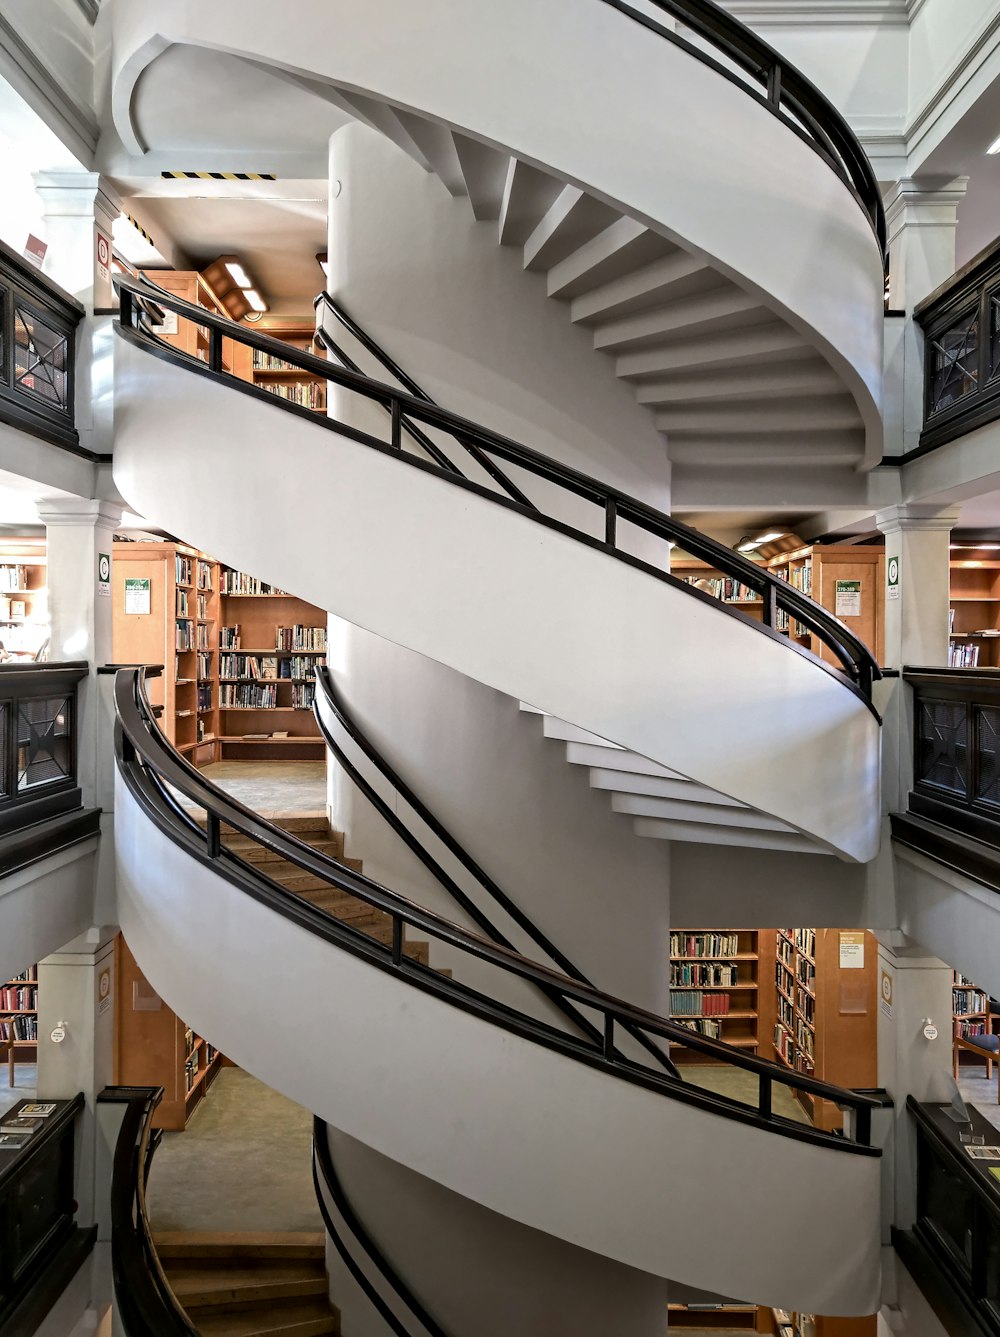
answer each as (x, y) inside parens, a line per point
(105, 994)
(103, 256)
(34, 250)
(848, 598)
(104, 573)
(885, 994)
(852, 951)
(892, 578)
(137, 594)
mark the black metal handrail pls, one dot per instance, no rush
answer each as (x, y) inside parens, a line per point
(38, 324)
(858, 668)
(328, 696)
(956, 749)
(145, 1301)
(784, 90)
(961, 326)
(155, 773)
(327, 1181)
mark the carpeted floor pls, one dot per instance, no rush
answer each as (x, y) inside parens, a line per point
(271, 786)
(743, 1086)
(25, 1085)
(977, 1090)
(242, 1163)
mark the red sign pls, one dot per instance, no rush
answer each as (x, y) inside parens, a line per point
(34, 250)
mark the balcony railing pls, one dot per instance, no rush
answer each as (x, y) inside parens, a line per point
(38, 742)
(961, 325)
(38, 323)
(953, 1249)
(956, 749)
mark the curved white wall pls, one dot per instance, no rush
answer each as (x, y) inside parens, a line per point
(540, 77)
(532, 1135)
(487, 591)
(46, 905)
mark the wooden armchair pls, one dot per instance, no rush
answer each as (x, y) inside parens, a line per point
(986, 1047)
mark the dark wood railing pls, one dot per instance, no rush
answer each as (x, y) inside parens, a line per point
(855, 666)
(156, 774)
(953, 1248)
(961, 325)
(39, 742)
(775, 83)
(38, 323)
(145, 1303)
(956, 749)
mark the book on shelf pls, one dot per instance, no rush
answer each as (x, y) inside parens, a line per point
(248, 696)
(184, 636)
(16, 1123)
(204, 576)
(203, 606)
(37, 1111)
(692, 1002)
(238, 582)
(13, 1141)
(300, 637)
(966, 1000)
(204, 664)
(19, 998)
(13, 579)
(182, 569)
(182, 609)
(256, 737)
(307, 394)
(712, 974)
(694, 945)
(703, 1026)
(963, 655)
(280, 733)
(22, 1029)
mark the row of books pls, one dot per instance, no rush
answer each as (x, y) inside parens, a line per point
(795, 628)
(204, 641)
(18, 998)
(28, 976)
(300, 637)
(969, 1000)
(784, 980)
(229, 637)
(807, 1006)
(183, 609)
(963, 654)
(711, 975)
(805, 1040)
(968, 1029)
(203, 606)
(799, 577)
(692, 1002)
(786, 1012)
(805, 941)
(204, 576)
(704, 944)
(303, 696)
(204, 664)
(19, 1028)
(191, 1072)
(307, 394)
(247, 696)
(204, 696)
(268, 362)
(184, 635)
(183, 569)
(268, 667)
(238, 582)
(13, 579)
(785, 948)
(713, 1029)
(784, 1043)
(806, 972)
(726, 588)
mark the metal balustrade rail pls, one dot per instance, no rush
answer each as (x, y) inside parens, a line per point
(856, 668)
(155, 774)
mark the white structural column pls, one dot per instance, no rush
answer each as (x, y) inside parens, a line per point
(79, 210)
(921, 219)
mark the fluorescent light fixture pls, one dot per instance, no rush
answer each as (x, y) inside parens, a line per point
(975, 547)
(257, 302)
(994, 148)
(239, 275)
(748, 545)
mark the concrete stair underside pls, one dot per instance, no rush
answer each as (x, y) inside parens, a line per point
(665, 805)
(261, 1285)
(727, 379)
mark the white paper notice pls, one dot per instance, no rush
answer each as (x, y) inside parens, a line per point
(136, 596)
(848, 598)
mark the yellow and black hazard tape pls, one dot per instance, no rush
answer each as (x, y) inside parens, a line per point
(218, 176)
(141, 230)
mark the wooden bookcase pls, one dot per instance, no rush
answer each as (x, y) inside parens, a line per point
(24, 607)
(817, 1325)
(19, 1019)
(189, 285)
(825, 1019)
(975, 608)
(715, 987)
(815, 570)
(153, 1046)
(970, 1016)
(261, 655)
(282, 379)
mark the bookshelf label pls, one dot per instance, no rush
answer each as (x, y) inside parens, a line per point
(105, 991)
(104, 574)
(137, 594)
(885, 993)
(847, 598)
(892, 578)
(852, 951)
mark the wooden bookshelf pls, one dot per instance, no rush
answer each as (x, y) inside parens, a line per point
(790, 1324)
(970, 1016)
(282, 379)
(825, 1009)
(154, 1047)
(715, 987)
(261, 656)
(19, 1019)
(974, 640)
(193, 339)
(816, 570)
(24, 606)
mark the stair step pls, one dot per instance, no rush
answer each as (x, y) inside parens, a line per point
(251, 852)
(227, 1244)
(299, 822)
(197, 1288)
(298, 1318)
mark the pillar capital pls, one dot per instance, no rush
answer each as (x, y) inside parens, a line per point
(84, 512)
(928, 203)
(910, 517)
(77, 195)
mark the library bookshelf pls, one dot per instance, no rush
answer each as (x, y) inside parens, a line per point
(239, 657)
(281, 378)
(19, 1019)
(24, 607)
(844, 575)
(974, 631)
(971, 1021)
(154, 1047)
(715, 987)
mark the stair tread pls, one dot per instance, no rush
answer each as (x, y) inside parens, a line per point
(266, 1279)
(299, 1318)
(242, 1244)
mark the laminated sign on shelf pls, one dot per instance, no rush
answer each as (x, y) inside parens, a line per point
(136, 595)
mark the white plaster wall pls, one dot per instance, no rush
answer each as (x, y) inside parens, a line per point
(941, 34)
(479, 1272)
(44, 906)
(485, 590)
(60, 36)
(531, 1134)
(737, 184)
(949, 915)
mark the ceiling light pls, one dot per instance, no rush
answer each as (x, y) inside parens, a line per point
(239, 275)
(994, 148)
(257, 302)
(975, 547)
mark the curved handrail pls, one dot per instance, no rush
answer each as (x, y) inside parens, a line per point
(858, 667)
(787, 92)
(412, 388)
(325, 1177)
(327, 692)
(146, 1303)
(154, 773)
